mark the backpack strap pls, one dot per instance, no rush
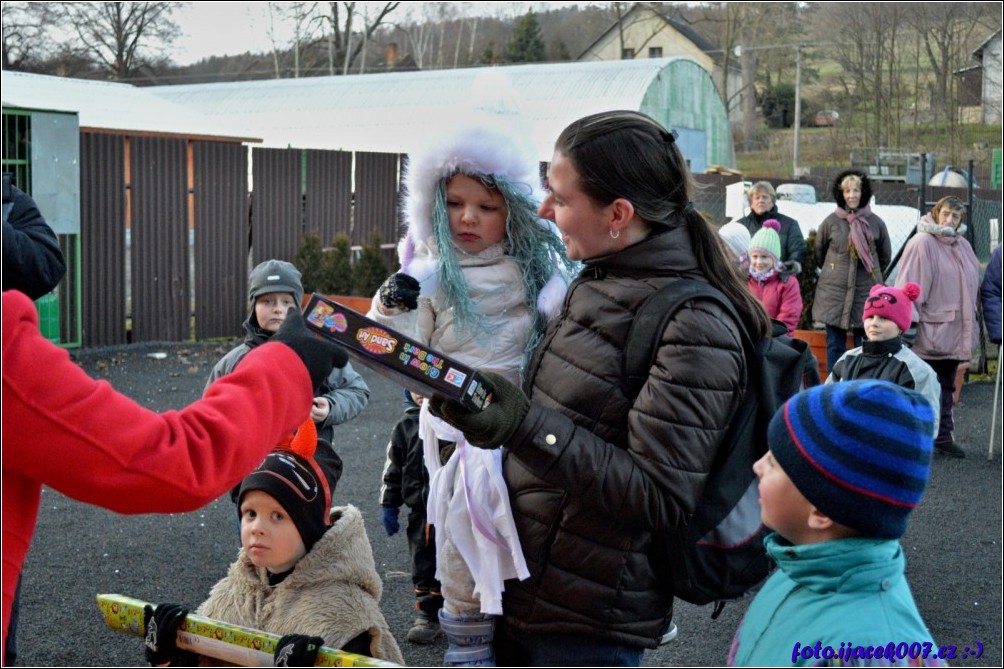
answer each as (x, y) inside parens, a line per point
(650, 322)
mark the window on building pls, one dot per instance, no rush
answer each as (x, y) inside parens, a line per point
(655, 52)
(627, 54)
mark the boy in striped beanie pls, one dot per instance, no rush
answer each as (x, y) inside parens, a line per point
(847, 464)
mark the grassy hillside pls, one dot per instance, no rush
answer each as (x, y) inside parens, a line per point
(831, 147)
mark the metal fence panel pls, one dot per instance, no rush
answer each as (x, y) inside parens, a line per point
(159, 255)
(276, 206)
(328, 206)
(376, 210)
(102, 239)
(221, 238)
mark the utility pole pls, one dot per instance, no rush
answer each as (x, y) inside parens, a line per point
(798, 110)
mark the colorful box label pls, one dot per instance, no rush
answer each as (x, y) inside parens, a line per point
(405, 361)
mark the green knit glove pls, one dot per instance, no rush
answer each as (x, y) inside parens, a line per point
(493, 426)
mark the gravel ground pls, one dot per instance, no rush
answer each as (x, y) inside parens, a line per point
(953, 544)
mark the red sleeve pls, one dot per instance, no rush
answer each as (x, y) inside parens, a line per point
(83, 438)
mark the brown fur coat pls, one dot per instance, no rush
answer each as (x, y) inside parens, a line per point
(334, 592)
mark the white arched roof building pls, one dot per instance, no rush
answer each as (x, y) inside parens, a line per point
(390, 112)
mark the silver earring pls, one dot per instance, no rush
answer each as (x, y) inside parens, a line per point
(614, 234)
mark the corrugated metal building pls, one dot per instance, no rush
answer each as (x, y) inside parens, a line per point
(173, 204)
(388, 112)
(122, 176)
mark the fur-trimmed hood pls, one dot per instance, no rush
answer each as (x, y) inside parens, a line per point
(866, 189)
(483, 144)
(491, 141)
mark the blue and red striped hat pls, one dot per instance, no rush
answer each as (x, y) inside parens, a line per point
(859, 451)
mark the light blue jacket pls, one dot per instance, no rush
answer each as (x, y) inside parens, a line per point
(849, 591)
(345, 389)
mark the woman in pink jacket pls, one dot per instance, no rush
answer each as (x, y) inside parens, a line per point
(79, 436)
(940, 259)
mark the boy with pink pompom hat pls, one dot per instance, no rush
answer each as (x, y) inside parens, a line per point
(883, 356)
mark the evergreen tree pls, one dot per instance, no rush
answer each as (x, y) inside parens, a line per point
(526, 45)
(488, 56)
(308, 260)
(336, 268)
(370, 270)
(559, 51)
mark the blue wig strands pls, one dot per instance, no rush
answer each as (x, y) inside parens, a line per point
(538, 253)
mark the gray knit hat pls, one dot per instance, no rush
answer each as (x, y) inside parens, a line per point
(274, 276)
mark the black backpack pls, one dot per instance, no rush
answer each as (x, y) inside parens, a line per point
(719, 554)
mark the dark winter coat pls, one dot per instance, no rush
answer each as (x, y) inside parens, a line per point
(594, 476)
(793, 246)
(32, 260)
(843, 282)
(405, 478)
(891, 361)
(990, 294)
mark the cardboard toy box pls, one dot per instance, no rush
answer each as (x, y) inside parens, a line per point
(388, 352)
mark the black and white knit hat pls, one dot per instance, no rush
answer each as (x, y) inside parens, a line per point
(292, 476)
(859, 451)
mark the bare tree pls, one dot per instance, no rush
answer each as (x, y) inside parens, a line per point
(423, 31)
(25, 38)
(120, 37)
(271, 32)
(869, 53)
(946, 32)
(305, 22)
(339, 20)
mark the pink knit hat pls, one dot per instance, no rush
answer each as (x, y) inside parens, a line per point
(896, 304)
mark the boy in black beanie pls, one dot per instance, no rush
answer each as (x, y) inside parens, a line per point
(847, 464)
(305, 570)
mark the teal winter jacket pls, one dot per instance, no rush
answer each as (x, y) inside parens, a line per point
(844, 594)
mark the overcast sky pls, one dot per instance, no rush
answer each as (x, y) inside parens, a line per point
(227, 28)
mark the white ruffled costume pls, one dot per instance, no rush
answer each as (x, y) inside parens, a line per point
(477, 546)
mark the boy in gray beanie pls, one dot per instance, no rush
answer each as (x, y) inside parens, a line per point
(847, 464)
(273, 287)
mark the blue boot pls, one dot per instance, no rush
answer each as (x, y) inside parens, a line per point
(470, 638)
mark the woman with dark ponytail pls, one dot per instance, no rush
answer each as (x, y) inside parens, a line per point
(595, 476)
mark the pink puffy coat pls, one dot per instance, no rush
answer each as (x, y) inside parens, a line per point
(943, 263)
(782, 299)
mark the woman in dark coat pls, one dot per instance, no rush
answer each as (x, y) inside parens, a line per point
(595, 476)
(852, 251)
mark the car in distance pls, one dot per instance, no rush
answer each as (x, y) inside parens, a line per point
(825, 118)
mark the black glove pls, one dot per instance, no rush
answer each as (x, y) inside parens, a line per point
(297, 650)
(390, 521)
(400, 290)
(161, 625)
(493, 426)
(319, 355)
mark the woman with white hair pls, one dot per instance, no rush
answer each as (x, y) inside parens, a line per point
(763, 207)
